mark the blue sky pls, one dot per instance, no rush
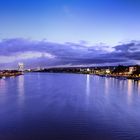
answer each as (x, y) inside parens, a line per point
(94, 24)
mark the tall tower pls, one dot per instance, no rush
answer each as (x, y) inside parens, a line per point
(20, 67)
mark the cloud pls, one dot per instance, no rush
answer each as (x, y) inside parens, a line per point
(131, 50)
(43, 53)
(128, 47)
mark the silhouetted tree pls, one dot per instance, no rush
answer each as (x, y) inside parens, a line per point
(119, 69)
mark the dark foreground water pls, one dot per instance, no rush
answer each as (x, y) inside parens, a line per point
(45, 106)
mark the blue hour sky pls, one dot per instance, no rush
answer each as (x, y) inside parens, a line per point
(97, 25)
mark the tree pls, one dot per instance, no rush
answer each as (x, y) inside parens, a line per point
(119, 69)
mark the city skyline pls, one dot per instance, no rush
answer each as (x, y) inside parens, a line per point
(69, 33)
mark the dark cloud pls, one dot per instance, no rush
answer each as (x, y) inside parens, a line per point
(44, 53)
(132, 46)
(124, 47)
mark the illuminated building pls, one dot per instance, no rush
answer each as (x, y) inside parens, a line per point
(131, 70)
(20, 67)
(107, 71)
(88, 69)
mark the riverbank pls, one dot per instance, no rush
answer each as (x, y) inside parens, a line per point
(7, 74)
(122, 77)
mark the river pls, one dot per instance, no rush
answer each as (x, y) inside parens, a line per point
(55, 106)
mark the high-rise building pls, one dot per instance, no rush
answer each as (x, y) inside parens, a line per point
(20, 67)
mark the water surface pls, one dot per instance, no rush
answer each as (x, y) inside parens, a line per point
(49, 106)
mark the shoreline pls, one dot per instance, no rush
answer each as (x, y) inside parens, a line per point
(10, 74)
(121, 77)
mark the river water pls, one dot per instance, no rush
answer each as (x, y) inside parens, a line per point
(55, 106)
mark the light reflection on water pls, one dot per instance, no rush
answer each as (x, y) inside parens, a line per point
(138, 84)
(87, 89)
(130, 90)
(21, 85)
(20, 89)
(106, 86)
(88, 85)
(3, 86)
(69, 107)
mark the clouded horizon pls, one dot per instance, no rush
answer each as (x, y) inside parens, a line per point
(69, 32)
(48, 54)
